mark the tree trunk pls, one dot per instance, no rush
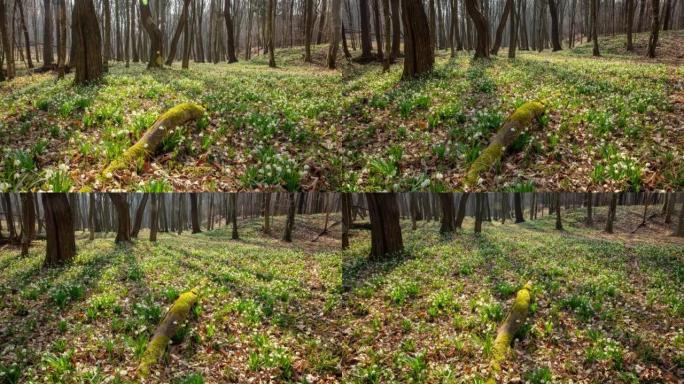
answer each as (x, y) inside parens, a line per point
(123, 232)
(387, 60)
(396, 29)
(182, 21)
(85, 37)
(517, 203)
(378, 29)
(7, 47)
(479, 211)
(559, 223)
(508, 9)
(289, 224)
(655, 28)
(107, 31)
(594, 27)
(321, 21)
(513, 41)
(366, 44)
(48, 58)
(335, 33)
(346, 218)
(59, 227)
(630, 23)
(270, 39)
(482, 27)
(188, 38)
(28, 216)
(419, 56)
(62, 43)
(232, 57)
(154, 221)
(139, 214)
(590, 203)
(92, 207)
(555, 31)
(446, 201)
(386, 239)
(680, 226)
(611, 212)
(460, 214)
(233, 216)
(308, 27)
(24, 28)
(266, 211)
(194, 213)
(156, 59)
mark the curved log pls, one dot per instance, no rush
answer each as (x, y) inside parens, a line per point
(149, 142)
(173, 320)
(514, 321)
(505, 136)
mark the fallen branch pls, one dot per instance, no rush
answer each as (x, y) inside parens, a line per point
(514, 321)
(174, 319)
(325, 231)
(154, 136)
(505, 136)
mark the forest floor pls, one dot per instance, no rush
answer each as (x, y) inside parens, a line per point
(257, 319)
(606, 308)
(612, 122)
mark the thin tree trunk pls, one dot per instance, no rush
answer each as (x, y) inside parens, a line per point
(123, 233)
(85, 37)
(446, 201)
(611, 212)
(154, 213)
(289, 224)
(62, 43)
(156, 59)
(383, 211)
(346, 218)
(508, 10)
(179, 29)
(482, 26)
(24, 28)
(655, 28)
(419, 56)
(59, 227)
(232, 57)
(139, 214)
(233, 216)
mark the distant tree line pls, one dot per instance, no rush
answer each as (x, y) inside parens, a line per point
(385, 211)
(161, 31)
(57, 217)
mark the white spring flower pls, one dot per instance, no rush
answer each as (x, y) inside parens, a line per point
(63, 167)
(425, 183)
(17, 162)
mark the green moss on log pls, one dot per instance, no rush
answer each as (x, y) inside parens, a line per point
(514, 321)
(154, 136)
(174, 319)
(504, 137)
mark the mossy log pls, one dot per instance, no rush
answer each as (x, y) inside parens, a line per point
(174, 319)
(505, 136)
(514, 321)
(154, 136)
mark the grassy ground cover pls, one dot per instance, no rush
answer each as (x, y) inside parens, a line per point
(261, 315)
(613, 122)
(606, 308)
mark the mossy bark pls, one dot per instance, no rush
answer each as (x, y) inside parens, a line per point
(173, 320)
(514, 321)
(505, 136)
(154, 136)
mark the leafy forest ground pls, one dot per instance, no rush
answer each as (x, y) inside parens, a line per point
(606, 308)
(613, 122)
(257, 319)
